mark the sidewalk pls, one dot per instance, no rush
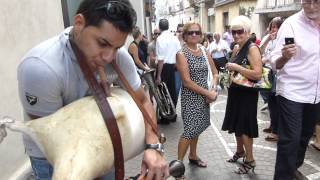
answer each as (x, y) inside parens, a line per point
(215, 146)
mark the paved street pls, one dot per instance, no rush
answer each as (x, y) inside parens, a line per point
(215, 146)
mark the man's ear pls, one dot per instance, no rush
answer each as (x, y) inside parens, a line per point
(79, 22)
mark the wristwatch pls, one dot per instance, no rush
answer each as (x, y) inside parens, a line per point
(158, 147)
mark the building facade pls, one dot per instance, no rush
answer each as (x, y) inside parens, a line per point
(213, 15)
(266, 10)
(226, 10)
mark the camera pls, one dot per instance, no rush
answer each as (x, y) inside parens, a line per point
(289, 40)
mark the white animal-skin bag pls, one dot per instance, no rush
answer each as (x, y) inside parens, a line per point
(75, 139)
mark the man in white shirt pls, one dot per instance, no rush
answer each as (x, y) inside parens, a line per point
(298, 86)
(227, 36)
(219, 49)
(167, 47)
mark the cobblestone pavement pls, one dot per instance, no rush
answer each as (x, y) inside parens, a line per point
(215, 146)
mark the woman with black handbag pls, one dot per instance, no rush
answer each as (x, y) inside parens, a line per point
(241, 111)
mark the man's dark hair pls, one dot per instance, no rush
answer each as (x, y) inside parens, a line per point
(253, 37)
(163, 24)
(180, 26)
(227, 27)
(119, 13)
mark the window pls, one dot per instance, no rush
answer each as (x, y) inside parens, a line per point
(69, 8)
(225, 19)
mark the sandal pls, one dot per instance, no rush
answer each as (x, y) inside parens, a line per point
(246, 167)
(267, 130)
(315, 146)
(236, 156)
(198, 162)
(134, 177)
(272, 137)
(181, 178)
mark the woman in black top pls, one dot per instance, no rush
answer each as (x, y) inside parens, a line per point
(136, 52)
(241, 110)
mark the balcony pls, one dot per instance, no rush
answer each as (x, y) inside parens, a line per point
(272, 6)
(222, 2)
(172, 10)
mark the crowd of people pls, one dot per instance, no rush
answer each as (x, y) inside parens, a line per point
(189, 63)
(292, 114)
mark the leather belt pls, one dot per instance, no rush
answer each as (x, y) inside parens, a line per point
(109, 119)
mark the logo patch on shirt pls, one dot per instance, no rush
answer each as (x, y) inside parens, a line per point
(32, 100)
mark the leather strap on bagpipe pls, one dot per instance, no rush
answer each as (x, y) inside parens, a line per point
(146, 115)
(106, 111)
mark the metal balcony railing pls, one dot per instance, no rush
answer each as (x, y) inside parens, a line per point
(278, 5)
(222, 2)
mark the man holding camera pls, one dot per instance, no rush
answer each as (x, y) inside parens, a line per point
(297, 58)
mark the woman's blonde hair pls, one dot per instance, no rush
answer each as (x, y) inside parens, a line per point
(241, 22)
(186, 28)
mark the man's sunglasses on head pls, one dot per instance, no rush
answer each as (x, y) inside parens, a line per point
(117, 10)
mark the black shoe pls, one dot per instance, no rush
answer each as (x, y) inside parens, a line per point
(246, 167)
(174, 119)
(237, 156)
(298, 176)
(163, 121)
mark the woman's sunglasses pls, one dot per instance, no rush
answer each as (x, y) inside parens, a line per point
(239, 32)
(190, 33)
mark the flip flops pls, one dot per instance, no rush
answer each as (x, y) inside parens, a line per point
(198, 162)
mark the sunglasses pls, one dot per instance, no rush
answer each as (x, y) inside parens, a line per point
(239, 32)
(190, 33)
(116, 10)
(156, 34)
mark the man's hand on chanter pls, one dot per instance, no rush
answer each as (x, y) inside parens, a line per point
(154, 166)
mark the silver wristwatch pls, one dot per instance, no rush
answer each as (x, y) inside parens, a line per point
(158, 147)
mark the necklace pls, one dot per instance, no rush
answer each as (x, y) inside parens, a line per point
(193, 50)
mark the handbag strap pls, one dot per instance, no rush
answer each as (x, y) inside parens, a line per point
(206, 57)
(207, 60)
(106, 111)
(134, 96)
